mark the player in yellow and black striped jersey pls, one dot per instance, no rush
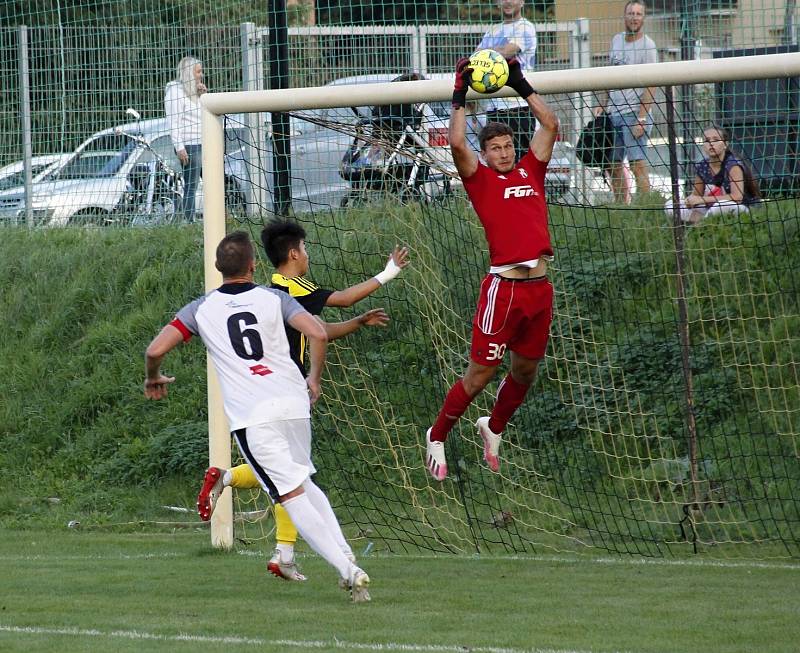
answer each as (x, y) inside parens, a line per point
(284, 245)
(312, 298)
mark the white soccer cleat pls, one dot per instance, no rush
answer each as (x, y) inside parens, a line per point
(491, 443)
(279, 567)
(359, 585)
(344, 583)
(435, 460)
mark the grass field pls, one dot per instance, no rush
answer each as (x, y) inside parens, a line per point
(90, 591)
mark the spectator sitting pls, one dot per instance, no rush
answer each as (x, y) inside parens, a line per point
(723, 183)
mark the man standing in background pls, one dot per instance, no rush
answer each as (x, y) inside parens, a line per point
(514, 37)
(629, 108)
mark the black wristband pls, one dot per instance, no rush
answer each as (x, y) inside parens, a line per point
(460, 98)
(523, 87)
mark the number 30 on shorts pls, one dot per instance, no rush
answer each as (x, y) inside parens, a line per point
(496, 351)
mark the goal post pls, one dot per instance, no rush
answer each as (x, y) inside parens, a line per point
(646, 494)
(219, 448)
(602, 78)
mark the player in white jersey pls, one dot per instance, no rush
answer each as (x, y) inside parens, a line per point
(265, 397)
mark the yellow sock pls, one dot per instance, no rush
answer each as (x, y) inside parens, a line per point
(243, 477)
(285, 531)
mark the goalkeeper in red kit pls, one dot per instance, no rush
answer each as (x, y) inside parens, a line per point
(516, 299)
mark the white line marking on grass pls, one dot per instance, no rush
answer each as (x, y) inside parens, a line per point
(250, 641)
(659, 562)
(108, 556)
(744, 564)
(129, 634)
(633, 561)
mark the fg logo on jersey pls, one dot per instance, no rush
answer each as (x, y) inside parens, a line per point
(519, 191)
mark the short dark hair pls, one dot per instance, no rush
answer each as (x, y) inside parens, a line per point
(235, 253)
(493, 130)
(280, 236)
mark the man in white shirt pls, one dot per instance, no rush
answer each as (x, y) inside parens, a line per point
(182, 106)
(266, 401)
(514, 37)
(629, 108)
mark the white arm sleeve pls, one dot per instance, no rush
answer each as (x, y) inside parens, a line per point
(172, 107)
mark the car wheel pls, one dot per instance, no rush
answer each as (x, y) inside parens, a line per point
(91, 218)
(165, 210)
(443, 191)
(141, 220)
(411, 195)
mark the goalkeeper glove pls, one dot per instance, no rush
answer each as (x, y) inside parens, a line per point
(460, 87)
(516, 79)
(389, 272)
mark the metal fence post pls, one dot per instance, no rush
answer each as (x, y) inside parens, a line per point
(419, 50)
(256, 138)
(581, 57)
(25, 112)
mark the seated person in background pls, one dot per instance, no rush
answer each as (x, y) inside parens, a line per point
(723, 183)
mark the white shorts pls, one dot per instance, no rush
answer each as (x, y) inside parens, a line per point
(725, 207)
(279, 453)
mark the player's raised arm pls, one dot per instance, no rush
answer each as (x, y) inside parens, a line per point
(545, 136)
(398, 259)
(463, 156)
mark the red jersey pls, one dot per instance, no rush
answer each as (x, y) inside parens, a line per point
(512, 210)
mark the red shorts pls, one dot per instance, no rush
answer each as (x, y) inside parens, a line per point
(511, 314)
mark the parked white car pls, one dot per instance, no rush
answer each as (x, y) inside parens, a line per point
(129, 174)
(13, 174)
(125, 174)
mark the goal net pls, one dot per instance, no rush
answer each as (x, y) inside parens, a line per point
(666, 414)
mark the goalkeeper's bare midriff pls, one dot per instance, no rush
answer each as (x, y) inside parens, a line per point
(524, 272)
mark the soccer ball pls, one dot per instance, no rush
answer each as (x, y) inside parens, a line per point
(489, 71)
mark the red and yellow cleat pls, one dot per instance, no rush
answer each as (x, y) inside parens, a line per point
(286, 570)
